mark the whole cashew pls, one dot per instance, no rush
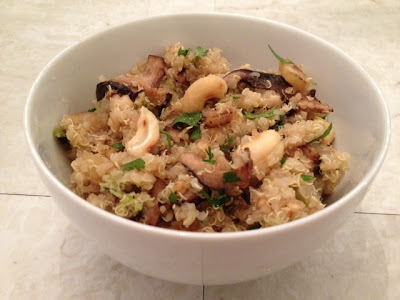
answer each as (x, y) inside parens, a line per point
(147, 134)
(266, 149)
(295, 76)
(203, 89)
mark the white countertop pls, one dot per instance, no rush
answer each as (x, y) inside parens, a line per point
(43, 257)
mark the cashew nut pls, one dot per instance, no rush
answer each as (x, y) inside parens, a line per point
(202, 90)
(295, 76)
(266, 149)
(147, 134)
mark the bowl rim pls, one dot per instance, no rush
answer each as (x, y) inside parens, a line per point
(202, 236)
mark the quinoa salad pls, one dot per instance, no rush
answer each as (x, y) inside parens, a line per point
(183, 142)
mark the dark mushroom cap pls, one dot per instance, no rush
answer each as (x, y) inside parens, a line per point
(260, 80)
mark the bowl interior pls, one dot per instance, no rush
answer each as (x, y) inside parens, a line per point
(67, 85)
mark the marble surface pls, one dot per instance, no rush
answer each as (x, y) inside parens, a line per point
(43, 257)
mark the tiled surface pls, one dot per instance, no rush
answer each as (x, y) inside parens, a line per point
(42, 257)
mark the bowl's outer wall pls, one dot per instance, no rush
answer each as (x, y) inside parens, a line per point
(67, 85)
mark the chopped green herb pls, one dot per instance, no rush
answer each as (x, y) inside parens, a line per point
(322, 116)
(327, 131)
(278, 57)
(195, 133)
(190, 119)
(231, 177)
(118, 146)
(210, 156)
(306, 177)
(313, 82)
(216, 202)
(235, 97)
(227, 148)
(106, 188)
(183, 52)
(278, 124)
(93, 109)
(198, 52)
(59, 132)
(283, 160)
(134, 164)
(267, 114)
(168, 137)
(173, 198)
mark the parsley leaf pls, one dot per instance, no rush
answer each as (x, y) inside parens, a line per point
(216, 202)
(93, 109)
(210, 156)
(231, 177)
(227, 148)
(279, 58)
(198, 52)
(327, 131)
(283, 160)
(267, 114)
(168, 137)
(190, 119)
(134, 164)
(195, 133)
(183, 52)
(118, 146)
(173, 198)
(306, 177)
(235, 97)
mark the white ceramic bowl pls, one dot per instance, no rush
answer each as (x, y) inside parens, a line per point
(67, 85)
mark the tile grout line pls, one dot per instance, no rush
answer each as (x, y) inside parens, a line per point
(373, 213)
(21, 194)
(203, 291)
(48, 196)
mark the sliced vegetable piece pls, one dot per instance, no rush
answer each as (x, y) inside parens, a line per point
(59, 132)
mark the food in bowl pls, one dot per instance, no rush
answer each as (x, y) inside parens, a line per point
(181, 142)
